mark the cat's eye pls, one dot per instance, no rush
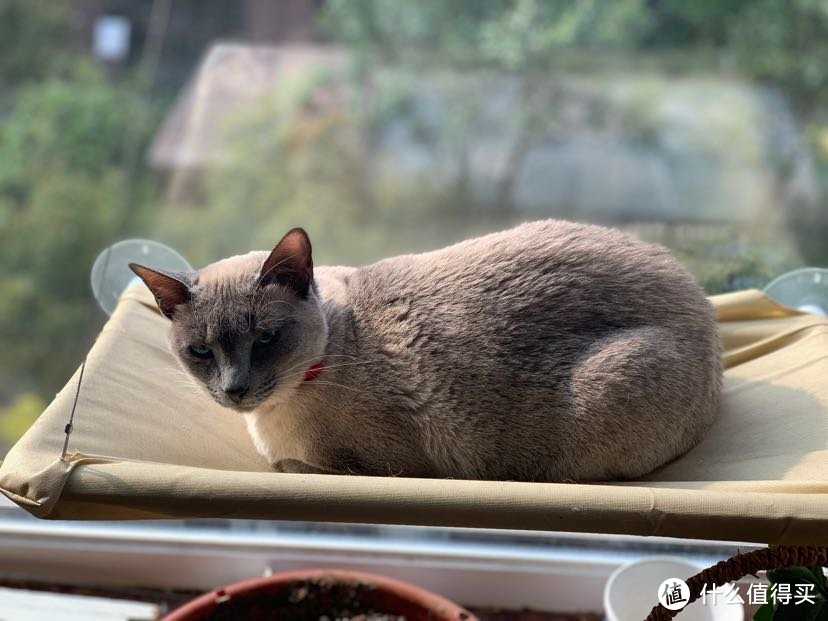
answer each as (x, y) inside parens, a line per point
(201, 351)
(265, 337)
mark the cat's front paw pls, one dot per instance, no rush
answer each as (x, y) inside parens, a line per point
(297, 466)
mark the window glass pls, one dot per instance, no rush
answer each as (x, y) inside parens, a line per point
(385, 127)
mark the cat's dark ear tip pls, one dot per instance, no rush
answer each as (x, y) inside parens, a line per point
(298, 238)
(169, 289)
(298, 230)
(142, 271)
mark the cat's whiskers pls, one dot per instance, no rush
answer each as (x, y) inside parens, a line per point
(302, 364)
(287, 374)
(178, 378)
(189, 388)
(329, 383)
(350, 364)
(309, 360)
(333, 345)
(174, 371)
(181, 378)
(185, 385)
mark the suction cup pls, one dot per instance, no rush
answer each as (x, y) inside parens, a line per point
(804, 289)
(111, 274)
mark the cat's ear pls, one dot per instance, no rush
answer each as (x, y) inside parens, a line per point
(290, 264)
(169, 288)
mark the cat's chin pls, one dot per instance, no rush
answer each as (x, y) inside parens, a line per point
(264, 401)
(242, 408)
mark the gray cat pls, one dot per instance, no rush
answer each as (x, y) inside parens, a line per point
(549, 352)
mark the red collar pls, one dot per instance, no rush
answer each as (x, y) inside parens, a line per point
(313, 372)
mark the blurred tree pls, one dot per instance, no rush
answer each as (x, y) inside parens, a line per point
(289, 162)
(295, 161)
(65, 192)
(782, 44)
(507, 34)
(16, 418)
(71, 144)
(33, 39)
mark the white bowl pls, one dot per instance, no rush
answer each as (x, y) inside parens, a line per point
(632, 591)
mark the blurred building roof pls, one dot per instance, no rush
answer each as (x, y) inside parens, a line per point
(231, 78)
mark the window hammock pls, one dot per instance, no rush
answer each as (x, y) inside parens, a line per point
(143, 446)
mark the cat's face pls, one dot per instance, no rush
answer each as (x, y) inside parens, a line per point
(245, 329)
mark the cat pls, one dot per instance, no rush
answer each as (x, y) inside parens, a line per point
(553, 351)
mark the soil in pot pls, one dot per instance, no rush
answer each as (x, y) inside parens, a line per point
(322, 599)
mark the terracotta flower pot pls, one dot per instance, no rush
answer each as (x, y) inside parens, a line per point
(311, 594)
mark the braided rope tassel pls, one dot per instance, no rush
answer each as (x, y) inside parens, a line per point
(734, 568)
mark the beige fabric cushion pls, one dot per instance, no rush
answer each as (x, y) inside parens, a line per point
(145, 444)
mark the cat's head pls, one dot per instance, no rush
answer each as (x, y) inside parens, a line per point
(247, 327)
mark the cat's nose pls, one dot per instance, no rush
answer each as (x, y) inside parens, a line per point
(237, 392)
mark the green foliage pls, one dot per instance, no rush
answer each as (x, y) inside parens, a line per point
(519, 34)
(33, 37)
(66, 191)
(290, 162)
(78, 122)
(795, 610)
(510, 34)
(783, 44)
(720, 265)
(17, 417)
